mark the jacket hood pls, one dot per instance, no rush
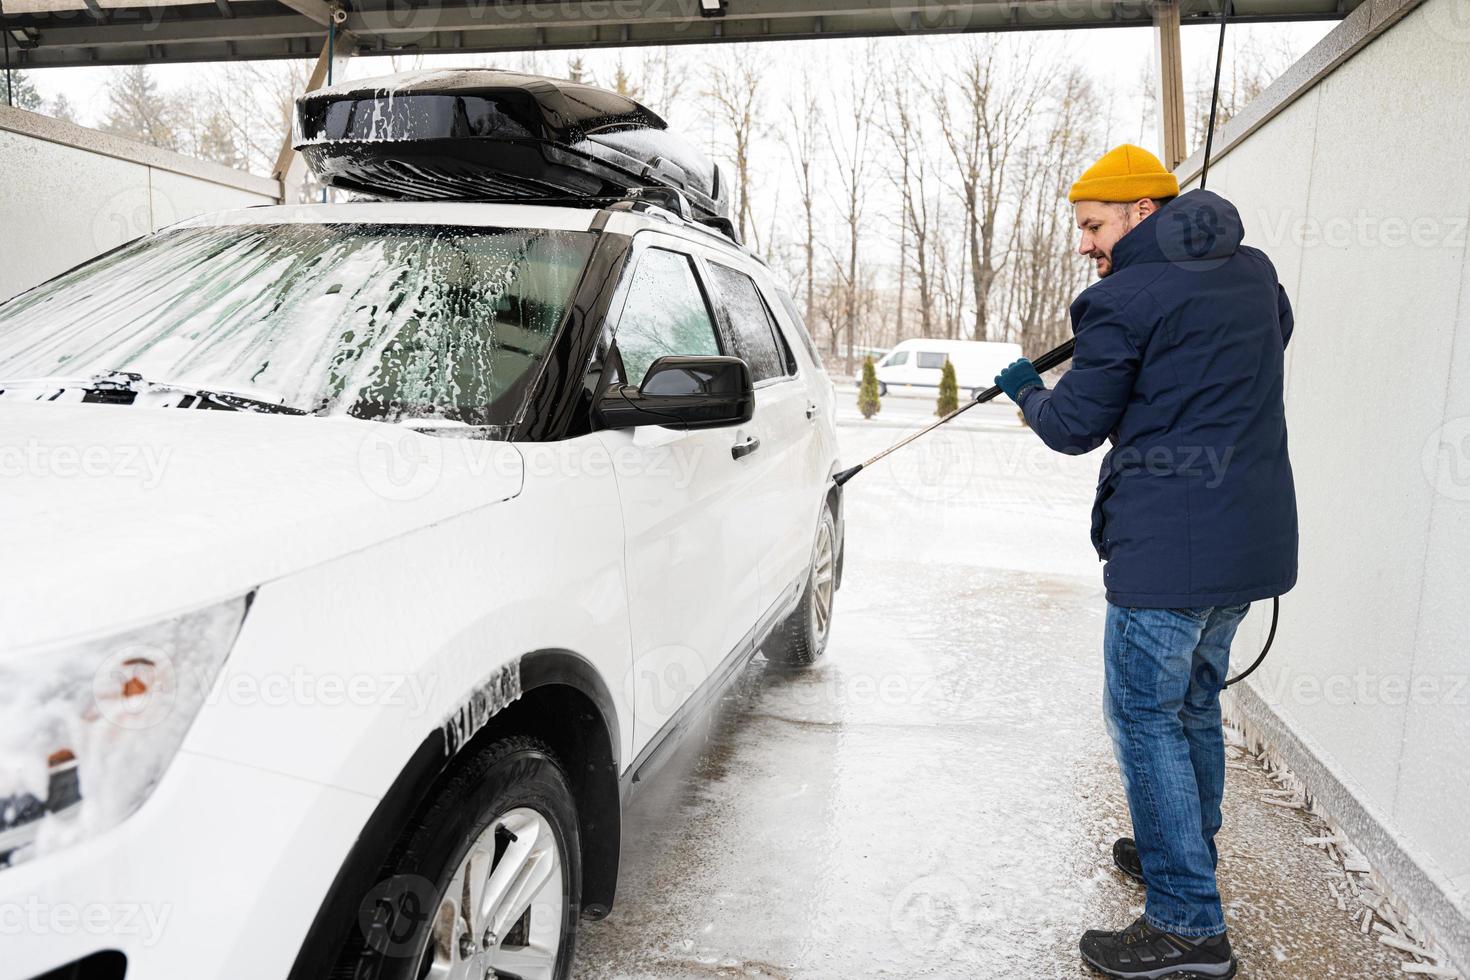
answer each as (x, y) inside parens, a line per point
(115, 516)
(1198, 225)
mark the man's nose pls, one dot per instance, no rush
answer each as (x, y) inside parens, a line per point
(1085, 248)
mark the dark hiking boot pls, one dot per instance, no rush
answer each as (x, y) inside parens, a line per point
(1125, 856)
(1141, 951)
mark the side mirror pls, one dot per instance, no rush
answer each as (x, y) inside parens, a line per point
(683, 393)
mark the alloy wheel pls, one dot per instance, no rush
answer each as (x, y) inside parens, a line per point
(501, 916)
(823, 580)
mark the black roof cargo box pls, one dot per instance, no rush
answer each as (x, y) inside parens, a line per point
(488, 135)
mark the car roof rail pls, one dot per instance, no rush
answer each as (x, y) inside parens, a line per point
(724, 226)
(669, 198)
(672, 203)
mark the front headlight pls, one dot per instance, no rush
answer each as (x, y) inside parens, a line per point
(87, 729)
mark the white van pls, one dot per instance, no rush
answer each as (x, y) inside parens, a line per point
(919, 364)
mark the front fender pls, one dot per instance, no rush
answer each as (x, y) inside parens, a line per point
(598, 802)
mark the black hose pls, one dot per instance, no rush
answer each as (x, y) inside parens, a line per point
(1275, 614)
(9, 98)
(1204, 174)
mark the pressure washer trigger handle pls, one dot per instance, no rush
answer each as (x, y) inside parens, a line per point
(1057, 355)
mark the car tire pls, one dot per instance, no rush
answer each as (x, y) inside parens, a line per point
(882, 389)
(801, 638)
(509, 801)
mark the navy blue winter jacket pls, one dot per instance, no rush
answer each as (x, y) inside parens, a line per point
(1179, 362)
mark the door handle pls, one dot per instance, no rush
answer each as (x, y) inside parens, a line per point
(741, 449)
(811, 410)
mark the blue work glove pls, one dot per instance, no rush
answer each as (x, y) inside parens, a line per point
(1018, 375)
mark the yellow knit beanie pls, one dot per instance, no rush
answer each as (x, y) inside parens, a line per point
(1125, 174)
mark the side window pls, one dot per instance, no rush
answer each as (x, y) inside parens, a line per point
(665, 314)
(902, 357)
(787, 357)
(752, 334)
(801, 331)
(932, 361)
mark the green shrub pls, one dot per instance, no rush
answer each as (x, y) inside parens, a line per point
(868, 390)
(949, 390)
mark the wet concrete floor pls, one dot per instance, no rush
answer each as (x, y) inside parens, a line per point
(937, 797)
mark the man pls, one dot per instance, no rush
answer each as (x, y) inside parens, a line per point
(1179, 363)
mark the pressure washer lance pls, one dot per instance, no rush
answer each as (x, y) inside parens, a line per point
(1047, 361)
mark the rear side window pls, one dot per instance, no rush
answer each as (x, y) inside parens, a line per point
(801, 331)
(927, 359)
(752, 333)
(665, 314)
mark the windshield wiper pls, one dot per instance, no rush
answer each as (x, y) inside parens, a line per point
(235, 402)
(124, 387)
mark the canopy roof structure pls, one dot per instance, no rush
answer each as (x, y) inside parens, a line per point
(46, 33)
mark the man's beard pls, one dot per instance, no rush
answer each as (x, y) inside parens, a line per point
(1107, 270)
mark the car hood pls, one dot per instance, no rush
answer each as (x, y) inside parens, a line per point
(114, 516)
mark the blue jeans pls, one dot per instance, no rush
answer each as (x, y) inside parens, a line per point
(1165, 669)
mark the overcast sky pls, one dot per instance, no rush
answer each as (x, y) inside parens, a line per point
(1114, 56)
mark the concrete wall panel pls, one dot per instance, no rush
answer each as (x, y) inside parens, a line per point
(1369, 299)
(180, 196)
(1434, 781)
(62, 206)
(70, 193)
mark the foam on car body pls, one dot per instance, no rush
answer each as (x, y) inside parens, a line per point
(489, 698)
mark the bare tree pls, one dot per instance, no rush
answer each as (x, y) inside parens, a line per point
(624, 83)
(659, 79)
(1251, 64)
(527, 62)
(577, 70)
(911, 171)
(985, 109)
(1044, 274)
(206, 132)
(735, 95)
(853, 163)
(803, 143)
(258, 100)
(950, 267)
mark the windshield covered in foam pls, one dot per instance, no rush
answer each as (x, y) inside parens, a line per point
(381, 321)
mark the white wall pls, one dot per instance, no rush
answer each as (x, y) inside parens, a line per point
(68, 193)
(1359, 190)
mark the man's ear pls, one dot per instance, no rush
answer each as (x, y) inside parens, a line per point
(1143, 208)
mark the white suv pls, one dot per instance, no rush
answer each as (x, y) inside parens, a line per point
(351, 585)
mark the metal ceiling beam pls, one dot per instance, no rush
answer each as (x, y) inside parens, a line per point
(674, 20)
(236, 28)
(263, 31)
(315, 10)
